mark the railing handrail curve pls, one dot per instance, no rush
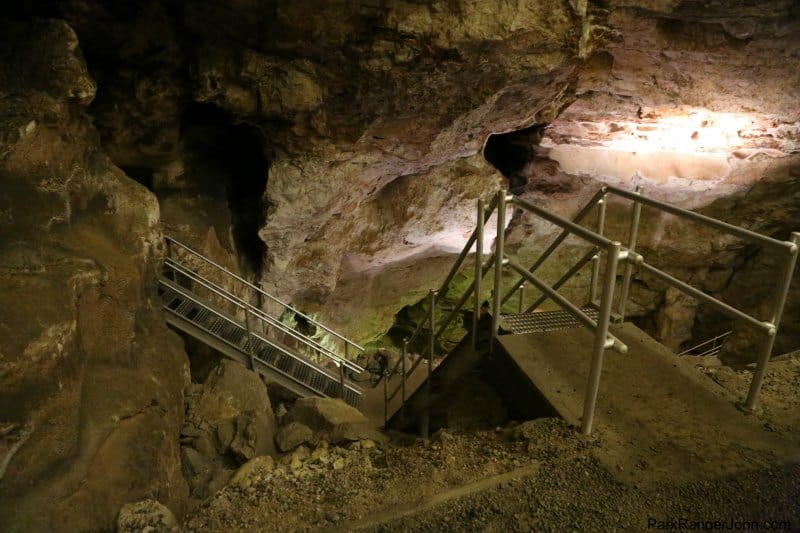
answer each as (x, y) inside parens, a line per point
(261, 315)
(284, 350)
(262, 292)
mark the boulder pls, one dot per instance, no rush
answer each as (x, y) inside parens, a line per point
(254, 436)
(197, 469)
(325, 414)
(256, 466)
(356, 432)
(292, 435)
(234, 412)
(146, 515)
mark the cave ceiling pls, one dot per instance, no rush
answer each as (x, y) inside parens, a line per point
(374, 116)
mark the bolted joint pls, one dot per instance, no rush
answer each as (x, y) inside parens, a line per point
(632, 257)
(771, 329)
(505, 261)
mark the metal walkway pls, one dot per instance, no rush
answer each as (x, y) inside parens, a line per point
(241, 331)
(607, 300)
(521, 323)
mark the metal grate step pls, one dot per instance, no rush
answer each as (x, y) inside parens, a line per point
(270, 356)
(518, 324)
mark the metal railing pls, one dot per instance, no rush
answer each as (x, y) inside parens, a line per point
(402, 367)
(787, 250)
(603, 340)
(709, 348)
(603, 296)
(348, 349)
(252, 341)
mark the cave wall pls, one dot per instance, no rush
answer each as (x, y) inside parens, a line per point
(697, 104)
(90, 378)
(370, 120)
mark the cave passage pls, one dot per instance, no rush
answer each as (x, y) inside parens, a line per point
(236, 151)
(512, 152)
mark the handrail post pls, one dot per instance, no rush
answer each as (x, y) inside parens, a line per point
(341, 381)
(781, 290)
(634, 233)
(426, 416)
(249, 343)
(476, 310)
(499, 253)
(601, 224)
(521, 297)
(403, 377)
(598, 350)
(385, 397)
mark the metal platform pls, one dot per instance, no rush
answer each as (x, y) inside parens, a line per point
(520, 324)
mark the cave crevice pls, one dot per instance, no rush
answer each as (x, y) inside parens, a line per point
(220, 146)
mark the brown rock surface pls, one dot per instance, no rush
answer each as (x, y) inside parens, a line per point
(90, 378)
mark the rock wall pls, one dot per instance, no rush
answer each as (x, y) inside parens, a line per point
(694, 102)
(372, 118)
(91, 380)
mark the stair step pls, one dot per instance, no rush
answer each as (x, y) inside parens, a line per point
(518, 324)
(183, 307)
(269, 358)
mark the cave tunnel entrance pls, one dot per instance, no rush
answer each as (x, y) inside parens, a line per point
(512, 152)
(235, 150)
(142, 175)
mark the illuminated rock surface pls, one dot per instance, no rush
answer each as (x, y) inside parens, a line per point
(334, 152)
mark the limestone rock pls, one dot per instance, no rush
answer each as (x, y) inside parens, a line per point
(349, 432)
(292, 435)
(234, 405)
(197, 469)
(146, 515)
(92, 379)
(325, 414)
(254, 436)
(256, 466)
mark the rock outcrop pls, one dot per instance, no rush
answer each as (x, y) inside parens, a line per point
(334, 153)
(229, 421)
(91, 380)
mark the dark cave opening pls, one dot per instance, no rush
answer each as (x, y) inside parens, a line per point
(512, 152)
(236, 151)
(142, 175)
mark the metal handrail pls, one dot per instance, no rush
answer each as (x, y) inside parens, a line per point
(566, 277)
(769, 327)
(585, 210)
(766, 327)
(264, 317)
(453, 270)
(575, 311)
(278, 347)
(580, 231)
(475, 238)
(262, 292)
(742, 233)
(716, 343)
(460, 304)
(602, 338)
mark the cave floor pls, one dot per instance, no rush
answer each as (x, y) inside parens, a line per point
(543, 475)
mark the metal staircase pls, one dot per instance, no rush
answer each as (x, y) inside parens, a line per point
(606, 302)
(521, 323)
(211, 313)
